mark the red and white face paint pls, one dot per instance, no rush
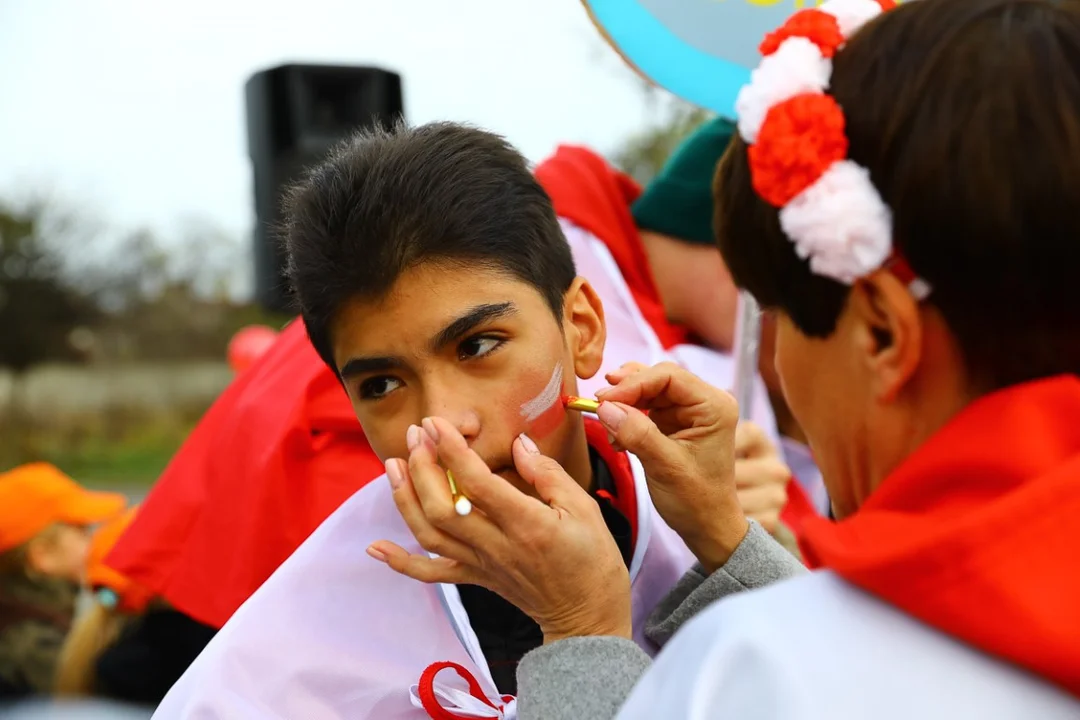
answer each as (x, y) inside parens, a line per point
(545, 411)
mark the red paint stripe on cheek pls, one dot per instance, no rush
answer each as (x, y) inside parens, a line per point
(548, 421)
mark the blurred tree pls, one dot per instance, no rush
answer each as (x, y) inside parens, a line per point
(644, 153)
(41, 313)
(175, 301)
(39, 307)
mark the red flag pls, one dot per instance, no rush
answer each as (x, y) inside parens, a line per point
(278, 452)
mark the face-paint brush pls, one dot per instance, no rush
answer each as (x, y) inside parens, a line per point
(573, 402)
(462, 504)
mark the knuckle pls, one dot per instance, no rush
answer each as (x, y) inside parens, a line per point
(635, 435)
(546, 465)
(778, 470)
(431, 540)
(420, 570)
(440, 513)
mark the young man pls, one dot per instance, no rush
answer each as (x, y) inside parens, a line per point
(283, 440)
(434, 279)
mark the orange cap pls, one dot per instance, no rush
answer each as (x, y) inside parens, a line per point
(129, 596)
(34, 496)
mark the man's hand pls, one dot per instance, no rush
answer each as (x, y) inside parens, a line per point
(553, 557)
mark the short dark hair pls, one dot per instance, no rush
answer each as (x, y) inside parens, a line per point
(967, 115)
(389, 199)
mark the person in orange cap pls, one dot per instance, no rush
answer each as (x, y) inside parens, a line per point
(44, 544)
(128, 644)
(117, 602)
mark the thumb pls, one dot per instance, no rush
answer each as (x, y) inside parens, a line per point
(554, 486)
(637, 433)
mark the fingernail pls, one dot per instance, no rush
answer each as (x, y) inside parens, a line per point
(611, 415)
(377, 554)
(412, 437)
(432, 431)
(601, 392)
(394, 474)
(528, 444)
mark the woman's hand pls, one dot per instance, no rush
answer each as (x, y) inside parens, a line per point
(687, 446)
(761, 476)
(553, 557)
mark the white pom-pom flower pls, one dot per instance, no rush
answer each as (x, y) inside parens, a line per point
(840, 223)
(851, 14)
(796, 68)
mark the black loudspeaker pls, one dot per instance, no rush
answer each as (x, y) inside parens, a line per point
(295, 114)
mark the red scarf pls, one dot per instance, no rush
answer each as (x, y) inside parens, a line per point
(278, 452)
(596, 197)
(973, 534)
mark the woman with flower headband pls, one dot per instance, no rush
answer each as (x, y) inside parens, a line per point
(903, 198)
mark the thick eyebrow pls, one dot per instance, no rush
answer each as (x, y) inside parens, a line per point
(457, 328)
(461, 326)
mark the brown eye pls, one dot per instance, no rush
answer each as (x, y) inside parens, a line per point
(378, 387)
(478, 347)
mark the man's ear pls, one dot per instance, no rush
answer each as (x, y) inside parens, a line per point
(890, 331)
(586, 332)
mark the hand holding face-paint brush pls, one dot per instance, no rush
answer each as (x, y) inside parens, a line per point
(462, 504)
(686, 445)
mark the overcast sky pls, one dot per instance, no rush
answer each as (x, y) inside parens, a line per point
(133, 109)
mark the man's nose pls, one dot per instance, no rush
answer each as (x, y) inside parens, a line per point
(456, 406)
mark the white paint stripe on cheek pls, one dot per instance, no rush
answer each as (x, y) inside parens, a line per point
(550, 395)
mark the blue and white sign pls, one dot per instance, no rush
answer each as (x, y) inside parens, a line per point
(699, 50)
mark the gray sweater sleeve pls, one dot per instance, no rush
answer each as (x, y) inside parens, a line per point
(758, 561)
(591, 677)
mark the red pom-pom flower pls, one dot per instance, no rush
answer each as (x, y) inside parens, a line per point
(816, 26)
(799, 140)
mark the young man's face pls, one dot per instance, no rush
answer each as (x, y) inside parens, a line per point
(474, 346)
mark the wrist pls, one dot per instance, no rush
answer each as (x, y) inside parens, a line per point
(617, 629)
(722, 538)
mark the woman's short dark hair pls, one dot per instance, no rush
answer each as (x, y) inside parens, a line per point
(967, 115)
(389, 199)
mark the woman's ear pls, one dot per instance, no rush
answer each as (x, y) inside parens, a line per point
(586, 333)
(890, 332)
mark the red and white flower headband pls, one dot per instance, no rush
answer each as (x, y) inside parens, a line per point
(798, 147)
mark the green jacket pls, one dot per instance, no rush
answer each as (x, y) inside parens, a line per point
(35, 615)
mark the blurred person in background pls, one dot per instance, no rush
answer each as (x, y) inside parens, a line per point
(126, 644)
(44, 542)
